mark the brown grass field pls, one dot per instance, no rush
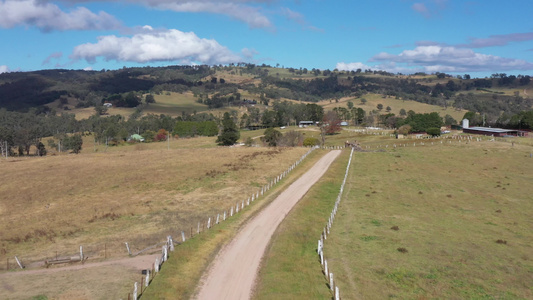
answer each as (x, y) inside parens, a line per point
(137, 194)
(395, 104)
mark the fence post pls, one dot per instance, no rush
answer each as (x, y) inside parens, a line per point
(147, 281)
(18, 262)
(331, 281)
(183, 236)
(135, 291)
(128, 247)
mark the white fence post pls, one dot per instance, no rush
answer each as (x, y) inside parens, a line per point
(128, 247)
(135, 291)
(147, 280)
(183, 236)
(18, 262)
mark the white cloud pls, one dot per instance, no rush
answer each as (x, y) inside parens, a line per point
(169, 45)
(235, 9)
(249, 53)
(88, 68)
(351, 66)
(47, 16)
(438, 58)
(4, 69)
(247, 11)
(451, 59)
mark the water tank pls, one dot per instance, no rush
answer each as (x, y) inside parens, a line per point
(465, 123)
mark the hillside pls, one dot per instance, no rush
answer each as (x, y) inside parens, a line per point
(113, 105)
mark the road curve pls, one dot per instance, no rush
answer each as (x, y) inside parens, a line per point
(233, 273)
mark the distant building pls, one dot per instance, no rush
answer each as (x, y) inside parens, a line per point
(108, 105)
(306, 123)
(344, 123)
(498, 132)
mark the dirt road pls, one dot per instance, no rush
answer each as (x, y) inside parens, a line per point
(232, 274)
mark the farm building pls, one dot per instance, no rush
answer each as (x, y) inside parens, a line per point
(494, 131)
(306, 123)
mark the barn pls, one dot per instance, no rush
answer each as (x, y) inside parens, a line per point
(499, 132)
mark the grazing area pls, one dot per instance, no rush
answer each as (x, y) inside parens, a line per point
(50, 206)
(433, 221)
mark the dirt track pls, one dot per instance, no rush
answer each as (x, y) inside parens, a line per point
(232, 274)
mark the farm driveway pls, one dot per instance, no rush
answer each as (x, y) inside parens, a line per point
(233, 272)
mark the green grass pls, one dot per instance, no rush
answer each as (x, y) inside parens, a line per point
(451, 204)
(291, 269)
(174, 104)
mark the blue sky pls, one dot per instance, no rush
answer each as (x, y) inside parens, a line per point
(457, 37)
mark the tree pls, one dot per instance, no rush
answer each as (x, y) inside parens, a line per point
(363, 101)
(230, 134)
(388, 108)
(272, 137)
(403, 113)
(73, 143)
(100, 110)
(149, 98)
(41, 150)
(449, 120)
(350, 105)
(433, 131)
(380, 106)
(331, 123)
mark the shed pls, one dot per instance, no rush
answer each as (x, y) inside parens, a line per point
(306, 123)
(499, 132)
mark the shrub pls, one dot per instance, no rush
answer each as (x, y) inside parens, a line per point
(311, 141)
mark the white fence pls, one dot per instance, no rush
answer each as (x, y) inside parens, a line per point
(168, 246)
(320, 249)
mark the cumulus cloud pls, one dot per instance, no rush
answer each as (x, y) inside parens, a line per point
(169, 45)
(48, 16)
(4, 69)
(452, 59)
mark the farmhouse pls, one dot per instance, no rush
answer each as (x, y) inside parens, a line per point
(499, 132)
(306, 123)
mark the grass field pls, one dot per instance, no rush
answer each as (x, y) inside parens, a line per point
(463, 214)
(396, 105)
(139, 194)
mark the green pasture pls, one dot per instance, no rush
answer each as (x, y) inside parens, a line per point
(448, 221)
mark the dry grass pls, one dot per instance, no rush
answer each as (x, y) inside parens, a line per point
(133, 193)
(395, 104)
